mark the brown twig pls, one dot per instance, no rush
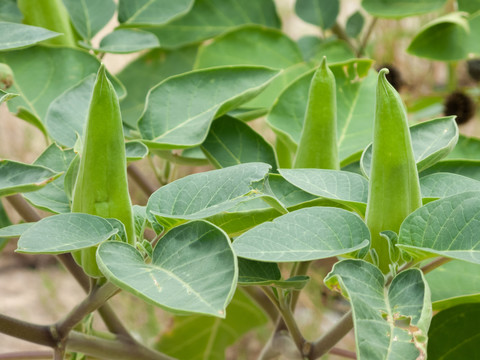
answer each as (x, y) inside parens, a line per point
(140, 179)
(435, 264)
(23, 355)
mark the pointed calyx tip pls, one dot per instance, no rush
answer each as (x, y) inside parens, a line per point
(324, 62)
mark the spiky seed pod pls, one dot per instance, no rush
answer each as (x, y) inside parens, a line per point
(461, 105)
(473, 67)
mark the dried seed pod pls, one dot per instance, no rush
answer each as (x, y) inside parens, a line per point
(461, 105)
(473, 67)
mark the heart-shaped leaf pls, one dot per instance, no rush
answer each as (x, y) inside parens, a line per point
(355, 107)
(306, 234)
(431, 141)
(17, 36)
(205, 194)
(440, 185)
(193, 269)
(64, 233)
(151, 12)
(401, 8)
(341, 186)
(89, 16)
(232, 142)
(447, 227)
(321, 13)
(125, 41)
(202, 23)
(19, 177)
(14, 230)
(454, 283)
(179, 110)
(387, 323)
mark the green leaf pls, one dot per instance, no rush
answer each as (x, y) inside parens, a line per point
(64, 233)
(14, 230)
(440, 185)
(205, 194)
(469, 168)
(151, 12)
(474, 24)
(470, 6)
(40, 75)
(147, 71)
(454, 283)
(125, 41)
(401, 8)
(314, 49)
(5, 223)
(232, 142)
(340, 186)
(135, 150)
(209, 18)
(355, 107)
(193, 269)
(454, 333)
(89, 16)
(321, 13)
(9, 11)
(19, 177)
(354, 25)
(52, 197)
(306, 234)
(256, 45)
(208, 337)
(389, 324)
(446, 227)
(451, 30)
(431, 141)
(179, 110)
(466, 148)
(5, 96)
(18, 36)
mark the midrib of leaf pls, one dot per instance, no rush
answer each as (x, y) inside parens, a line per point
(87, 19)
(139, 11)
(390, 321)
(214, 9)
(47, 83)
(225, 147)
(466, 341)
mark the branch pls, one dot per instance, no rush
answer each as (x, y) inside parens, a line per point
(341, 34)
(108, 349)
(365, 39)
(23, 208)
(22, 355)
(179, 159)
(38, 334)
(333, 336)
(435, 264)
(140, 180)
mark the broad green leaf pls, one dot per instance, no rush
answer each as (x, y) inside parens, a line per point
(470, 6)
(19, 177)
(451, 31)
(179, 110)
(205, 194)
(193, 269)
(440, 185)
(14, 230)
(355, 107)
(64, 233)
(287, 193)
(151, 12)
(135, 150)
(202, 337)
(354, 25)
(344, 187)
(17, 36)
(256, 45)
(474, 24)
(401, 8)
(468, 168)
(232, 142)
(314, 49)
(9, 11)
(89, 16)
(209, 18)
(454, 333)
(5, 96)
(447, 227)
(466, 148)
(306, 234)
(454, 283)
(53, 197)
(40, 75)
(431, 142)
(67, 114)
(390, 324)
(125, 41)
(321, 13)
(5, 223)
(147, 71)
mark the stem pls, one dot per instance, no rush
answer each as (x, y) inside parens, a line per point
(96, 298)
(452, 76)
(24, 355)
(435, 264)
(341, 34)
(140, 180)
(284, 154)
(300, 269)
(365, 39)
(179, 159)
(59, 353)
(107, 349)
(38, 334)
(333, 336)
(23, 208)
(261, 300)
